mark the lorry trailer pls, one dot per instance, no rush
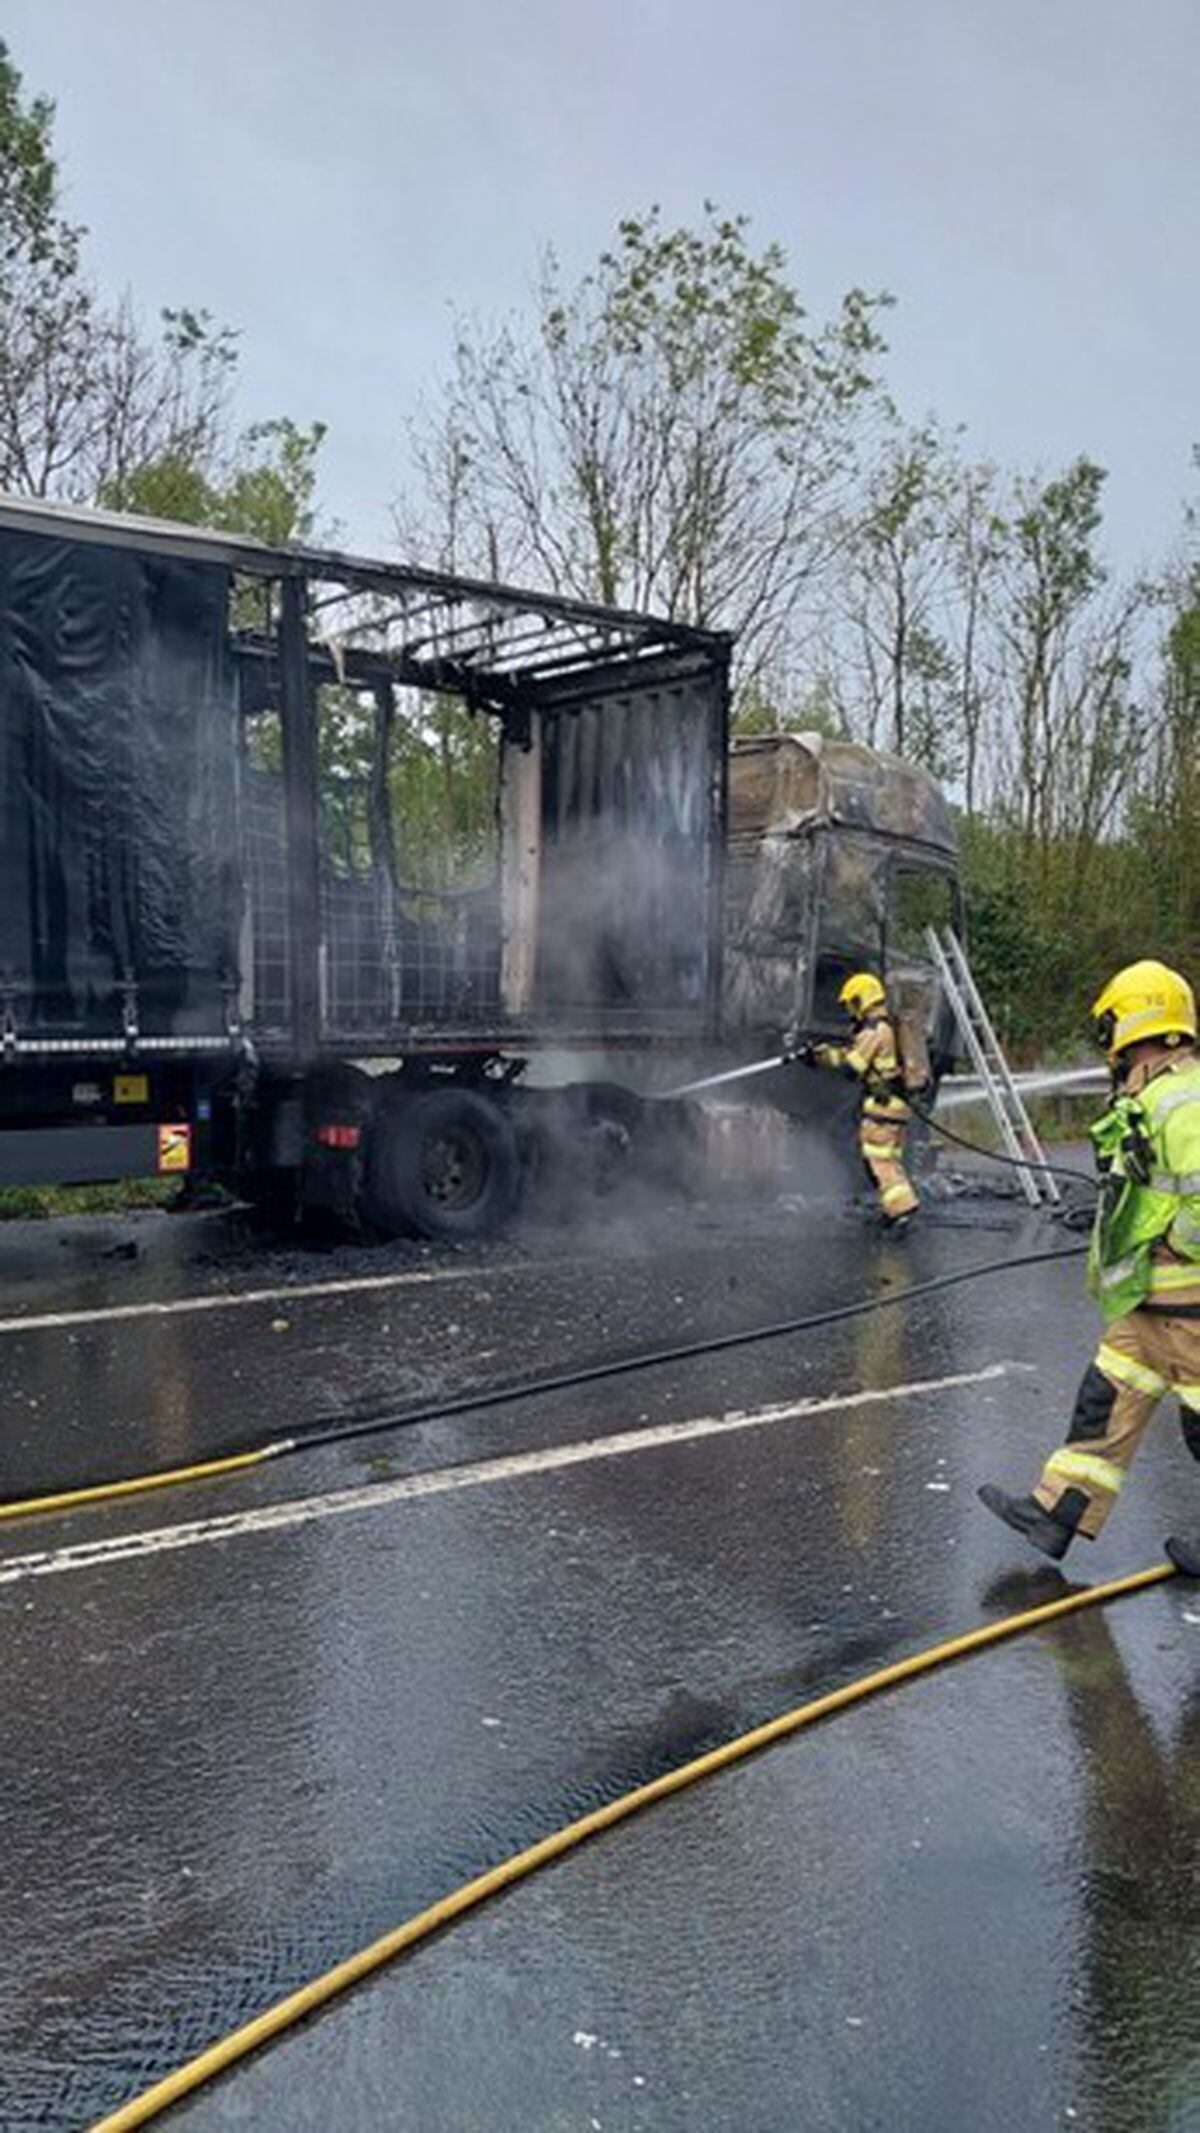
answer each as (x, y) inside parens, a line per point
(223, 953)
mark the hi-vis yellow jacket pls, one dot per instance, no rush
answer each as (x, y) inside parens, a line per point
(1146, 1236)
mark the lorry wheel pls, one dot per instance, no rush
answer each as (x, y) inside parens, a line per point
(444, 1163)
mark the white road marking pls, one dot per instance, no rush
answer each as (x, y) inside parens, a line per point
(377, 1496)
(237, 1299)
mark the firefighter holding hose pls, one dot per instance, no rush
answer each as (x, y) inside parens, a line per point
(872, 1059)
(1143, 1265)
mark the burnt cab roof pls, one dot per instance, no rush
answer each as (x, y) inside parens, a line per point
(789, 783)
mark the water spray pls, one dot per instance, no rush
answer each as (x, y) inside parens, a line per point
(715, 1081)
(1082, 1078)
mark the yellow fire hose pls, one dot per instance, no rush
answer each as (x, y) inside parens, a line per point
(240, 2043)
(138, 1484)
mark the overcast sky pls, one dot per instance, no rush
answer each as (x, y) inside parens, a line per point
(338, 177)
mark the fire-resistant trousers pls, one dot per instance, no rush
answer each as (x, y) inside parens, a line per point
(881, 1146)
(1141, 1357)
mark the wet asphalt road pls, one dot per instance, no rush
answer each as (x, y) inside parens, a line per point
(232, 1762)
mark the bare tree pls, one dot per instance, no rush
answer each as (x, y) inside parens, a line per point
(894, 671)
(87, 395)
(1068, 643)
(975, 537)
(1167, 807)
(669, 433)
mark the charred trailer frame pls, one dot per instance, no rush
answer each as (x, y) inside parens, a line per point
(196, 974)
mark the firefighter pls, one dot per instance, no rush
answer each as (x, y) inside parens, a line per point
(873, 1060)
(1143, 1265)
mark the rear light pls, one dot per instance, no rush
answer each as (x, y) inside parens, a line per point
(342, 1138)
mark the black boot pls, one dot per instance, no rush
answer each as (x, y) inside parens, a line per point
(1185, 1554)
(1027, 1517)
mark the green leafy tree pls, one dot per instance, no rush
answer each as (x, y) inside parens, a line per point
(265, 487)
(764, 707)
(32, 231)
(95, 409)
(45, 312)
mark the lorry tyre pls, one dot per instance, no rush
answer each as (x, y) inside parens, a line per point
(443, 1163)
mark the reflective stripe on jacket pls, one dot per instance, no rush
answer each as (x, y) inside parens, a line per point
(874, 1059)
(1146, 1236)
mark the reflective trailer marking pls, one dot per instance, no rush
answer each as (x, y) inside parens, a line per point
(283, 1517)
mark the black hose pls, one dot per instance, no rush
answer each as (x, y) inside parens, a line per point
(992, 1155)
(376, 1421)
(365, 1425)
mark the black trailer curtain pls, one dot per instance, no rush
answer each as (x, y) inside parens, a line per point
(630, 829)
(118, 863)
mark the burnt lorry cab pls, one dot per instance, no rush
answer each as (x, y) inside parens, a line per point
(839, 858)
(223, 948)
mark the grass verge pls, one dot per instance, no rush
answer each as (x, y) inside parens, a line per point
(42, 1203)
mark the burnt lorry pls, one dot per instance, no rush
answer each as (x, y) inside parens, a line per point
(224, 954)
(838, 858)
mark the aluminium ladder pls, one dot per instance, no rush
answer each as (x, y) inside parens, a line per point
(1000, 1091)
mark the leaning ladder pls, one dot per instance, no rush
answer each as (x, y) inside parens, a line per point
(983, 1046)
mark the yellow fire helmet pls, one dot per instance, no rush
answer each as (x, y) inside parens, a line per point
(861, 993)
(1143, 1000)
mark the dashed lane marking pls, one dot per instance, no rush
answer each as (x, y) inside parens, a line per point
(378, 1496)
(238, 1299)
